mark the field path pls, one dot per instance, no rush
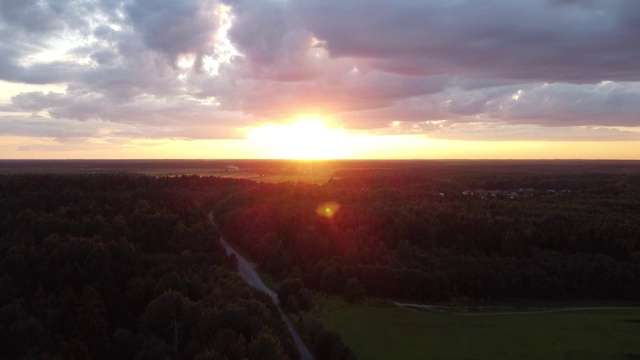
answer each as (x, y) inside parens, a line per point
(447, 310)
(248, 272)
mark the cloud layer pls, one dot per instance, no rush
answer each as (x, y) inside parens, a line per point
(198, 69)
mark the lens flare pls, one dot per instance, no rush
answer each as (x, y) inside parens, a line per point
(328, 209)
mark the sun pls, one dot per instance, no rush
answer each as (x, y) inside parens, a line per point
(307, 137)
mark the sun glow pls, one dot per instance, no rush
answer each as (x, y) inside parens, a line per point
(306, 138)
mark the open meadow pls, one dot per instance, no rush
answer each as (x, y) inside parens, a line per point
(267, 171)
(380, 333)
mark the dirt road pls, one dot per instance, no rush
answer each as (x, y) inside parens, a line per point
(249, 274)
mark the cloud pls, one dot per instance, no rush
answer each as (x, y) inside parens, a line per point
(564, 41)
(340, 89)
(613, 104)
(39, 126)
(207, 68)
(33, 102)
(544, 105)
(502, 132)
(174, 27)
(33, 16)
(143, 110)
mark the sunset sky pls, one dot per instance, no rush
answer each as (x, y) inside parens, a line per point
(320, 79)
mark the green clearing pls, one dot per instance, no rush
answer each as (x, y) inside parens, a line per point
(318, 179)
(381, 333)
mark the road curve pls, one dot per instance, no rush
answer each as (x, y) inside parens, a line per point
(249, 274)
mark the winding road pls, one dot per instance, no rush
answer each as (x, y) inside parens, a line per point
(248, 272)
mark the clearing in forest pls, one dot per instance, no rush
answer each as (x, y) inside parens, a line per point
(380, 333)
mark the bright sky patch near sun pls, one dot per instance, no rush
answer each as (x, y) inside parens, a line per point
(221, 79)
(308, 137)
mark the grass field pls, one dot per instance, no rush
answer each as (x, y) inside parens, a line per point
(381, 333)
(256, 170)
(318, 179)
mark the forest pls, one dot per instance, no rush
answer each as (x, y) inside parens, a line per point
(122, 267)
(446, 234)
(128, 266)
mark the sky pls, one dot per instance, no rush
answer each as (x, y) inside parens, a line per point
(538, 79)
